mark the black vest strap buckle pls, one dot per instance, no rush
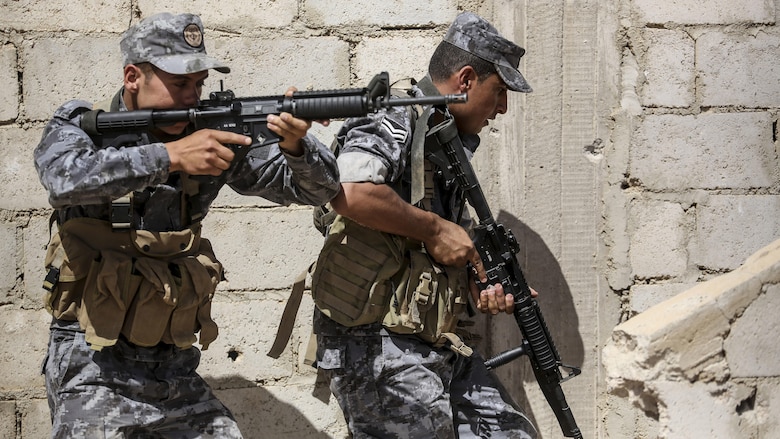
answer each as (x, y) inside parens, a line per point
(121, 213)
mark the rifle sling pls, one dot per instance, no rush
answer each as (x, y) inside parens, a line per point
(288, 316)
(418, 142)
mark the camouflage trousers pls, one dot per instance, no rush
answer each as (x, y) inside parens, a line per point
(394, 386)
(126, 391)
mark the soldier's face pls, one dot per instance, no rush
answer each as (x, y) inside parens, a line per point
(487, 99)
(164, 91)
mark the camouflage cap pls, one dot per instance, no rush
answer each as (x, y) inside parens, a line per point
(172, 43)
(478, 37)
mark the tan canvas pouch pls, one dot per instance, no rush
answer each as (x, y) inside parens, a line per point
(114, 282)
(109, 287)
(200, 276)
(215, 272)
(149, 314)
(454, 292)
(74, 259)
(166, 245)
(173, 306)
(428, 299)
(351, 282)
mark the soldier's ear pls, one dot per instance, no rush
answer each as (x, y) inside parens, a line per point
(132, 78)
(466, 77)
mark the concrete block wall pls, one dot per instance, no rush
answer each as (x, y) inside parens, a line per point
(696, 167)
(51, 52)
(694, 158)
(644, 163)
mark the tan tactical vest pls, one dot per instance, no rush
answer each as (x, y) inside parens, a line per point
(150, 287)
(365, 276)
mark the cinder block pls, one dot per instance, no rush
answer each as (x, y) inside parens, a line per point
(247, 326)
(263, 249)
(658, 232)
(9, 95)
(36, 237)
(22, 332)
(372, 13)
(624, 416)
(19, 185)
(55, 69)
(8, 268)
(692, 12)
(401, 56)
(644, 297)
(708, 151)
(8, 419)
(729, 228)
(288, 411)
(669, 69)
(36, 419)
(682, 408)
(752, 338)
(768, 403)
(268, 66)
(684, 336)
(681, 336)
(234, 17)
(60, 15)
(735, 67)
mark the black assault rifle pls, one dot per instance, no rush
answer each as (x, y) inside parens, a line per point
(248, 116)
(497, 247)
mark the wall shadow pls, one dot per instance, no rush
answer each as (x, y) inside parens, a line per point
(261, 415)
(544, 274)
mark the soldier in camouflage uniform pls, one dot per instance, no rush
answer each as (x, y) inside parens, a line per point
(121, 360)
(392, 385)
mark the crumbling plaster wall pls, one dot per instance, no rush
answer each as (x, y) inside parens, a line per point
(703, 363)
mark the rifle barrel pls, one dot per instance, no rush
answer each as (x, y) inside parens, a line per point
(430, 100)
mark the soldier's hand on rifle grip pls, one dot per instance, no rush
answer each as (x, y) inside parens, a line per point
(493, 300)
(204, 152)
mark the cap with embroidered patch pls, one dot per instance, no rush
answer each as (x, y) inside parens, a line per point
(172, 43)
(475, 35)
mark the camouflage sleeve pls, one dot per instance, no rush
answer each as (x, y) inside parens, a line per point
(75, 171)
(375, 148)
(311, 179)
